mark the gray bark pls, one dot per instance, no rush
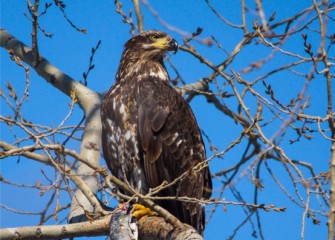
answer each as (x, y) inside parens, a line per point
(89, 102)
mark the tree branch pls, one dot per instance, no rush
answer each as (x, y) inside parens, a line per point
(82, 185)
(94, 228)
(139, 16)
(87, 99)
(166, 227)
(149, 228)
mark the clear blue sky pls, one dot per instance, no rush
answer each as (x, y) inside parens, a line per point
(70, 51)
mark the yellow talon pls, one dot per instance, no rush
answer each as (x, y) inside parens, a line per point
(140, 211)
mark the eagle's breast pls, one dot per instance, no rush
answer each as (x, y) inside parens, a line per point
(126, 161)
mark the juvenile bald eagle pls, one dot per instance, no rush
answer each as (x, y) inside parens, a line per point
(149, 132)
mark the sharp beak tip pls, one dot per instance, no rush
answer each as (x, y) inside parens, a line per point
(174, 46)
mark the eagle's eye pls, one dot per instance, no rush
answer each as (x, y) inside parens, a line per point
(153, 37)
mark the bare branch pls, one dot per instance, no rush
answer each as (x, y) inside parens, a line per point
(95, 228)
(149, 228)
(88, 100)
(139, 16)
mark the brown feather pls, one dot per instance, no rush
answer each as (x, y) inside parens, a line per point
(150, 134)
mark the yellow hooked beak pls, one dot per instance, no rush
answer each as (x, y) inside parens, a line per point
(166, 43)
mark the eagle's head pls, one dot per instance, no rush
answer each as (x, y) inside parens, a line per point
(151, 44)
(143, 56)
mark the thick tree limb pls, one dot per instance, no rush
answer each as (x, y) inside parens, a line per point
(87, 99)
(149, 228)
(158, 228)
(95, 228)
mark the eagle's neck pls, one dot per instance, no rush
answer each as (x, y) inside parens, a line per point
(142, 67)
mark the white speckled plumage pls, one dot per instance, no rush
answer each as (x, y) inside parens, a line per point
(150, 134)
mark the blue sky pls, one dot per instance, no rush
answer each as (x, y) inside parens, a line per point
(70, 50)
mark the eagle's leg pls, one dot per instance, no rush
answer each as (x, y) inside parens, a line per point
(140, 211)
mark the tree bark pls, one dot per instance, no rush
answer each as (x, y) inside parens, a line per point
(150, 227)
(88, 100)
(331, 217)
(157, 228)
(95, 228)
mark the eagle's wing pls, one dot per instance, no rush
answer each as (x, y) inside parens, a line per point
(149, 132)
(172, 145)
